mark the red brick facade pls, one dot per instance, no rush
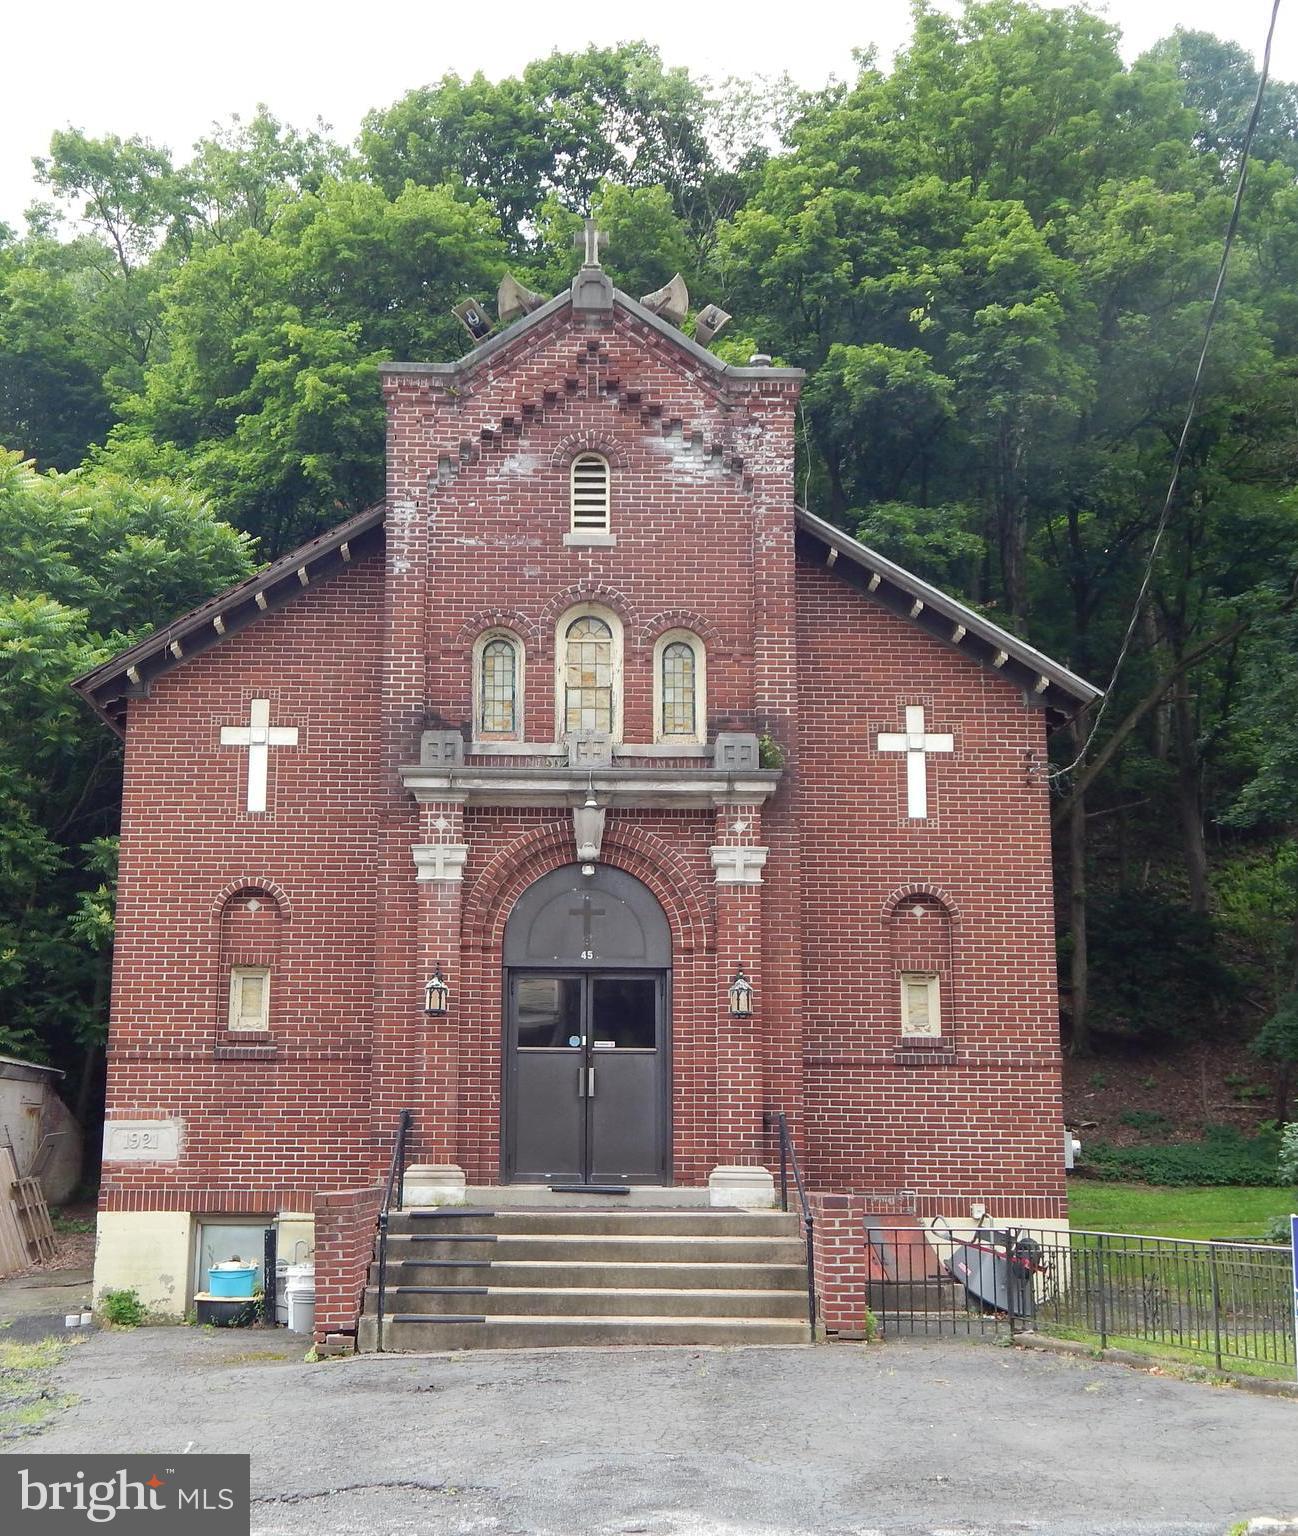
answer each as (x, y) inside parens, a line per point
(364, 662)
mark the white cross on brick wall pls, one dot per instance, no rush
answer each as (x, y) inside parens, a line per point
(916, 743)
(259, 736)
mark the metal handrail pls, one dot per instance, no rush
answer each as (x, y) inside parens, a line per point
(777, 1120)
(396, 1184)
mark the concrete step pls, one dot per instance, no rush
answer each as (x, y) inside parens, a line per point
(596, 1248)
(409, 1333)
(627, 1223)
(552, 1274)
(584, 1301)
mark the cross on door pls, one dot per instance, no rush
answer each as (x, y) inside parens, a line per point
(259, 736)
(586, 912)
(916, 743)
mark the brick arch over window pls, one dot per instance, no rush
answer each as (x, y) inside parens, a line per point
(576, 443)
(491, 899)
(496, 618)
(596, 592)
(682, 618)
(255, 884)
(922, 891)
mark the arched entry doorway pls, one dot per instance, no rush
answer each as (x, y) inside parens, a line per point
(587, 1005)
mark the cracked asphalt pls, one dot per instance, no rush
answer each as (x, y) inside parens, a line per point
(908, 1439)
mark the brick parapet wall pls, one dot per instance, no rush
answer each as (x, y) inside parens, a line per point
(842, 1265)
(344, 1245)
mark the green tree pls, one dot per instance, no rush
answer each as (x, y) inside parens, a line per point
(53, 404)
(92, 562)
(269, 394)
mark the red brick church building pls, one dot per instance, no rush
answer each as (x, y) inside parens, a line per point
(594, 802)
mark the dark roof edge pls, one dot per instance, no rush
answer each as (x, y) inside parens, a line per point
(959, 624)
(109, 687)
(512, 333)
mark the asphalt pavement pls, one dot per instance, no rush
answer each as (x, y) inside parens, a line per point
(908, 1439)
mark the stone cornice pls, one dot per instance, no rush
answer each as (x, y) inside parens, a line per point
(617, 788)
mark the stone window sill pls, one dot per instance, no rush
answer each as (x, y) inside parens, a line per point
(590, 540)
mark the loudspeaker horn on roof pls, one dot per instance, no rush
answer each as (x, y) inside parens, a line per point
(513, 300)
(708, 322)
(671, 303)
(473, 318)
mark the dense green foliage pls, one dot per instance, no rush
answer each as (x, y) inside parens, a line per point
(90, 563)
(1224, 1156)
(994, 259)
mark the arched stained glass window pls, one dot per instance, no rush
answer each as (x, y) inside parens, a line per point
(678, 692)
(498, 688)
(680, 687)
(588, 675)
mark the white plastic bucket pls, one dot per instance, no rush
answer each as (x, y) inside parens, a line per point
(299, 1293)
(301, 1311)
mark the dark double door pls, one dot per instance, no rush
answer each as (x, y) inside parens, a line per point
(586, 1078)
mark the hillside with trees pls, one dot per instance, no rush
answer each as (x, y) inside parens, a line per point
(994, 257)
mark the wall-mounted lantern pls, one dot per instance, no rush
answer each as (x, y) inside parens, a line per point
(741, 996)
(436, 994)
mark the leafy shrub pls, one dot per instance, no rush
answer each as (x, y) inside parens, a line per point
(770, 754)
(1287, 1163)
(1224, 1156)
(1277, 1231)
(123, 1309)
(1144, 1119)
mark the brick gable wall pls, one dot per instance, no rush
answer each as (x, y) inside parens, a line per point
(265, 1121)
(988, 1123)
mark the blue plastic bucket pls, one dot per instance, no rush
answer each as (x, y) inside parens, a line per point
(237, 1281)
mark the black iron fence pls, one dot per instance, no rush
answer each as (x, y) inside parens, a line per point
(1227, 1304)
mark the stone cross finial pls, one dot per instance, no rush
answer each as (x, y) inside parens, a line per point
(590, 242)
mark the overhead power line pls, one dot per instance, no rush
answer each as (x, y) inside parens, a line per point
(1192, 406)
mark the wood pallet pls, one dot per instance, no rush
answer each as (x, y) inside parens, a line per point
(26, 1232)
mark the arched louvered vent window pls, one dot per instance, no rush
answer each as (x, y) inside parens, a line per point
(590, 493)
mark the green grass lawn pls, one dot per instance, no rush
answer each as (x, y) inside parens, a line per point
(1279, 1370)
(1176, 1210)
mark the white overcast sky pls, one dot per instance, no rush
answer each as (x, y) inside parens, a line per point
(166, 69)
